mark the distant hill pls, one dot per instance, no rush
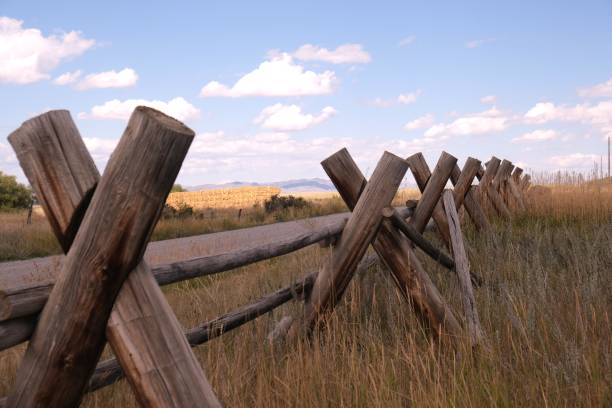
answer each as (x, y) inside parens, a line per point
(287, 186)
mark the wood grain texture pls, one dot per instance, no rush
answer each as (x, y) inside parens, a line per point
(431, 186)
(392, 247)
(500, 182)
(62, 173)
(111, 241)
(525, 183)
(516, 174)
(489, 193)
(465, 195)
(475, 210)
(463, 270)
(515, 193)
(360, 230)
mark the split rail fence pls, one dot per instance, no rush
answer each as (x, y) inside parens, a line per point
(103, 289)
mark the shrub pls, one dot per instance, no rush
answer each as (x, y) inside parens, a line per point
(181, 211)
(277, 202)
(13, 194)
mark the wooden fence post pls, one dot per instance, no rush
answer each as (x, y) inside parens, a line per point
(499, 181)
(392, 247)
(487, 190)
(360, 230)
(525, 183)
(514, 189)
(69, 337)
(464, 193)
(463, 269)
(431, 186)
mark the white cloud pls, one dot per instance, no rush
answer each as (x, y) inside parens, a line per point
(100, 149)
(343, 54)
(290, 117)
(403, 99)
(67, 78)
(279, 76)
(223, 157)
(406, 41)
(574, 160)
(178, 108)
(599, 90)
(489, 121)
(537, 136)
(489, 100)
(410, 97)
(598, 115)
(109, 79)
(479, 42)
(420, 123)
(27, 56)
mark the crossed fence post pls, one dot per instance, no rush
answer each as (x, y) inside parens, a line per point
(395, 250)
(488, 188)
(104, 227)
(393, 247)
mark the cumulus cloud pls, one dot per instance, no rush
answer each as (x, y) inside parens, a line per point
(281, 117)
(68, 78)
(597, 115)
(489, 121)
(403, 99)
(479, 42)
(100, 149)
(420, 123)
(27, 56)
(489, 100)
(178, 108)
(406, 41)
(574, 160)
(278, 76)
(343, 54)
(109, 79)
(225, 157)
(537, 136)
(596, 91)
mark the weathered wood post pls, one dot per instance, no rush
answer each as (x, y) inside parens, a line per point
(360, 230)
(525, 183)
(464, 192)
(392, 247)
(513, 188)
(69, 337)
(463, 269)
(487, 190)
(499, 181)
(431, 186)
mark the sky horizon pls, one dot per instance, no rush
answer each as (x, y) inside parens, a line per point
(273, 88)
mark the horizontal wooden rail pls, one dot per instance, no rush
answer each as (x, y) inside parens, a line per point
(420, 241)
(32, 298)
(109, 371)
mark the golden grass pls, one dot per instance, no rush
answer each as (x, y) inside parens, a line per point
(544, 309)
(240, 197)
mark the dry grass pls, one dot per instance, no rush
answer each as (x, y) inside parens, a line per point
(240, 197)
(544, 309)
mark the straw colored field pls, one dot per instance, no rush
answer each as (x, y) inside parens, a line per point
(545, 310)
(241, 197)
(402, 195)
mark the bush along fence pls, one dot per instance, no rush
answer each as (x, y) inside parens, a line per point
(103, 290)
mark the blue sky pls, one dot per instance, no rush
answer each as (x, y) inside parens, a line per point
(272, 88)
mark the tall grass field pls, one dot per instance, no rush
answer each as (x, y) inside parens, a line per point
(544, 307)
